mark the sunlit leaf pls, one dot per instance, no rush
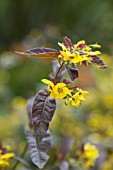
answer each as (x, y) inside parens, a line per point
(73, 72)
(42, 113)
(38, 152)
(96, 60)
(40, 52)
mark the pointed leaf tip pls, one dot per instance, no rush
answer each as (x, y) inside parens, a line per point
(38, 152)
(40, 52)
(96, 60)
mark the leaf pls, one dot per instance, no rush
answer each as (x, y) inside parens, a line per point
(29, 110)
(65, 147)
(68, 43)
(40, 52)
(42, 113)
(73, 72)
(56, 67)
(38, 152)
(96, 60)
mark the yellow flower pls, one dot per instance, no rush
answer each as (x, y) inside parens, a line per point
(90, 154)
(77, 97)
(72, 57)
(79, 52)
(4, 159)
(57, 91)
(90, 151)
(60, 91)
(89, 163)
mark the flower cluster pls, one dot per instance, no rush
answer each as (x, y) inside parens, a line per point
(61, 91)
(4, 157)
(78, 53)
(90, 154)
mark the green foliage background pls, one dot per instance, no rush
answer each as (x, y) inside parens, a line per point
(27, 24)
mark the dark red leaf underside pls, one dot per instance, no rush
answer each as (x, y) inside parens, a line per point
(40, 52)
(96, 60)
(73, 72)
(42, 113)
(68, 43)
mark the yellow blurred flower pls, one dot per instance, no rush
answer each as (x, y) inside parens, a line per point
(56, 91)
(90, 154)
(4, 159)
(90, 151)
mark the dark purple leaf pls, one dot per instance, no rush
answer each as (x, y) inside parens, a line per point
(68, 43)
(29, 111)
(42, 113)
(65, 147)
(96, 60)
(40, 52)
(73, 72)
(38, 152)
(56, 66)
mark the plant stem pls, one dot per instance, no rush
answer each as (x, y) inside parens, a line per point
(22, 155)
(59, 69)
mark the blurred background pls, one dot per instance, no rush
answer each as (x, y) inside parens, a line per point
(26, 24)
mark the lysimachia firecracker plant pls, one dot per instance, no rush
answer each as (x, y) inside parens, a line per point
(41, 108)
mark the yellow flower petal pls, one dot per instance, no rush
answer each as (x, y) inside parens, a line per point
(95, 45)
(8, 156)
(48, 82)
(75, 103)
(94, 53)
(66, 55)
(62, 45)
(80, 42)
(87, 48)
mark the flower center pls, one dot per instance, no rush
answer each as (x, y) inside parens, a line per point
(60, 90)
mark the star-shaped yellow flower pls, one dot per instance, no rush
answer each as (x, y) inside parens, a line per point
(77, 97)
(57, 91)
